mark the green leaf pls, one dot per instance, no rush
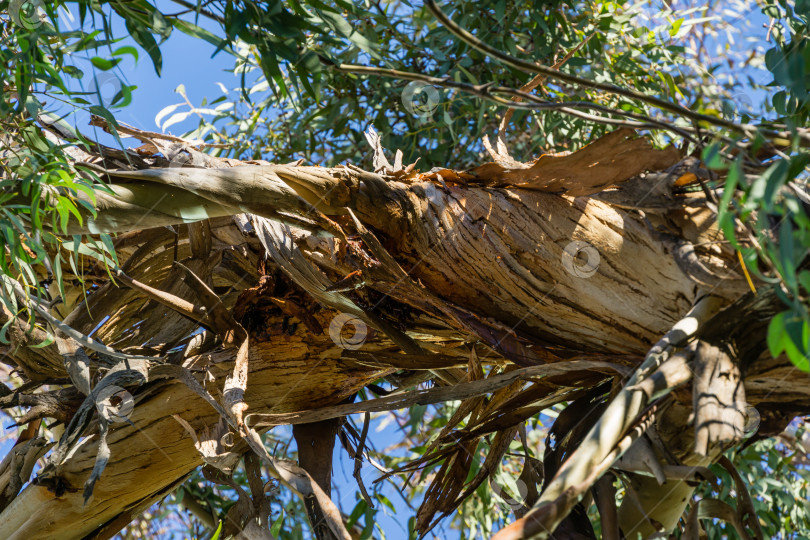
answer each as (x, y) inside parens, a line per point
(776, 334)
(159, 24)
(359, 510)
(146, 40)
(275, 529)
(48, 340)
(765, 187)
(132, 51)
(218, 531)
(103, 63)
(712, 158)
(787, 257)
(726, 214)
(195, 31)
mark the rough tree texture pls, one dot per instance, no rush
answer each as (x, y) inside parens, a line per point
(448, 262)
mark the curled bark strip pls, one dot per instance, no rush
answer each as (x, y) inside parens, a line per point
(278, 241)
(425, 397)
(706, 307)
(684, 253)
(301, 483)
(290, 475)
(80, 338)
(719, 399)
(220, 192)
(123, 374)
(17, 465)
(261, 502)
(746, 513)
(217, 315)
(77, 364)
(102, 457)
(672, 373)
(203, 514)
(601, 444)
(497, 448)
(660, 507)
(692, 475)
(380, 162)
(242, 513)
(693, 530)
(183, 307)
(210, 445)
(717, 509)
(532, 477)
(641, 457)
(126, 373)
(609, 160)
(236, 384)
(546, 516)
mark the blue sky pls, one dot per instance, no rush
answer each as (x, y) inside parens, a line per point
(188, 61)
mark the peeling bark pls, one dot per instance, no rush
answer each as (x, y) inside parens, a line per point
(575, 289)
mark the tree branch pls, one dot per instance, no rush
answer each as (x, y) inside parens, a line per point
(531, 67)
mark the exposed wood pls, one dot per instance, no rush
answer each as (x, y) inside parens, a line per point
(719, 399)
(576, 291)
(285, 376)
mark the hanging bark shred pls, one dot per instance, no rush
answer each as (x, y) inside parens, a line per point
(469, 267)
(236, 383)
(719, 399)
(17, 465)
(210, 442)
(606, 162)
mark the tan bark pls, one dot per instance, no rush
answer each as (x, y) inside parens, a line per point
(455, 265)
(286, 375)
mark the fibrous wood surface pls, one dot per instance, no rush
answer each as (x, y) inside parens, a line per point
(437, 271)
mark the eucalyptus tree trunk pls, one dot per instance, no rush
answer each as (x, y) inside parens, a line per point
(428, 269)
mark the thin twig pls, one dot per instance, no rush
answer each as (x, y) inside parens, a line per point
(537, 81)
(532, 67)
(488, 91)
(358, 460)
